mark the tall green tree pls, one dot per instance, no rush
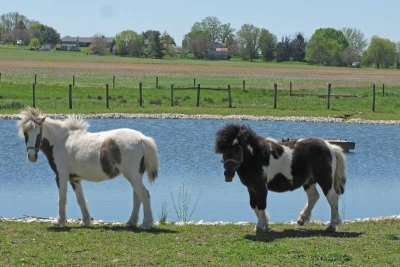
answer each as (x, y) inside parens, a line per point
(398, 55)
(249, 41)
(298, 47)
(325, 47)
(356, 40)
(267, 45)
(380, 52)
(283, 49)
(48, 35)
(152, 44)
(211, 26)
(129, 43)
(198, 42)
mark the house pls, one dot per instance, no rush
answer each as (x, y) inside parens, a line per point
(74, 43)
(218, 51)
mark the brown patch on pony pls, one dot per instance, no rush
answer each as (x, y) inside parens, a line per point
(110, 156)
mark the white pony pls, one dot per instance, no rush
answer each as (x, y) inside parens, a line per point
(74, 154)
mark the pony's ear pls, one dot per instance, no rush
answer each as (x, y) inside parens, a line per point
(40, 120)
(235, 142)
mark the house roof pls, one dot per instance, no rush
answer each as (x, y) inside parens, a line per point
(68, 39)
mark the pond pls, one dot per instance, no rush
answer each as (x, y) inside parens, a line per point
(187, 160)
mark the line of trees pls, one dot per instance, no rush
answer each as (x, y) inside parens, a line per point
(327, 46)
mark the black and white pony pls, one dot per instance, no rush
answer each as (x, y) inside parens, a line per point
(265, 164)
(74, 154)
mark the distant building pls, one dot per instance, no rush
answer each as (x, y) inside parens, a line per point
(218, 51)
(74, 43)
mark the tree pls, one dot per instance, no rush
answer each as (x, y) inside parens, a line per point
(34, 43)
(249, 41)
(99, 45)
(325, 47)
(211, 26)
(15, 27)
(380, 52)
(283, 49)
(198, 42)
(49, 35)
(267, 45)
(298, 47)
(152, 41)
(356, 40)
(398, 55)
(168, 44)
(129, 43)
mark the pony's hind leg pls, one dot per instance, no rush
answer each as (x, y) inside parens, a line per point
(312, 198)
(86, 219)
(62, 201)
(333, 200)
(132, 222)
(143, 195)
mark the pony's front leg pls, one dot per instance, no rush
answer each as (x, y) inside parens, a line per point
(258, 202)
(86, 219)
(62, 201)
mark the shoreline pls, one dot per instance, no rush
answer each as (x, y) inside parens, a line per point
(33, 219)
(177, 116)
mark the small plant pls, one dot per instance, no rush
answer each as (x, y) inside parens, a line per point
(208, 100)
(164, 214)
(89, 97)
(182, 204)
(99, 97)
(122, 101)
(157, 101)
(12, 105)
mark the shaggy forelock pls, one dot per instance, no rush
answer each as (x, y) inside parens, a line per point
(27, 119)
(225, 136)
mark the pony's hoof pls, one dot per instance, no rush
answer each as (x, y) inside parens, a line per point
(85, 223)
(261, 230)
(300, 222)
(59, 223)
(146, 226)
(131, 225)
(331, 229)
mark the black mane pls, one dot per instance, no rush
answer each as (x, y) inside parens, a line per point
(226, 135)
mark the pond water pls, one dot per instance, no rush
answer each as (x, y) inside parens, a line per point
(187, 159)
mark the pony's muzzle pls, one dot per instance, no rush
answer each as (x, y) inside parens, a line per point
(229, 176)
(32, 157)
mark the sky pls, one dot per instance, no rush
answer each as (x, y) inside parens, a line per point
(86, 18)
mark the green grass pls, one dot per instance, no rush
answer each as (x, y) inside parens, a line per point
(356, 244)
(89, 94)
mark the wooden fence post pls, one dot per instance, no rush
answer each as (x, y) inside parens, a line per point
(194, 83)
(140, 94)
(290, 89)
(229, 96)
(329, 95)
(172, 95)
(35, 78)
(373, 98)
(198, 95)
(107, 97)
(275, 94)
(114, 81)
(383, 89)
(70, 96)
(156, 82)
(244, 85)
(33, 95)
(0, 76)
(73, 81)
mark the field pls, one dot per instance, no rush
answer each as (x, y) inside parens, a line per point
(356, 244)
(351, 88)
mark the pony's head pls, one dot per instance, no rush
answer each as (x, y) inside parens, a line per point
(230, 141)
(30, 127)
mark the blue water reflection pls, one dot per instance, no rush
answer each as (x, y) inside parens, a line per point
(186, 149)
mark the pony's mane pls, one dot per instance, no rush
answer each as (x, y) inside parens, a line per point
(226, 135)
(27, 119)
(74, 122)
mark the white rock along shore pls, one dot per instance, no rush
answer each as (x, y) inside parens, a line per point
(172, 116)
(32, 219)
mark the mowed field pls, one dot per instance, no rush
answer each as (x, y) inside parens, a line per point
(55, 71)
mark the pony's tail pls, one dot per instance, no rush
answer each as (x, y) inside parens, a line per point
(340, 176)
(150, 156)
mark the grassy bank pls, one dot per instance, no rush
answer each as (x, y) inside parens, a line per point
(356, 244)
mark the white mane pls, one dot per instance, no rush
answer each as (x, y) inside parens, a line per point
(74, 122)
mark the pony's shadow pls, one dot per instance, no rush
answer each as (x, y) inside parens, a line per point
(113, 228)
(271, 235)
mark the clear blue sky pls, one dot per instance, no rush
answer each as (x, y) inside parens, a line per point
(86, 18)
